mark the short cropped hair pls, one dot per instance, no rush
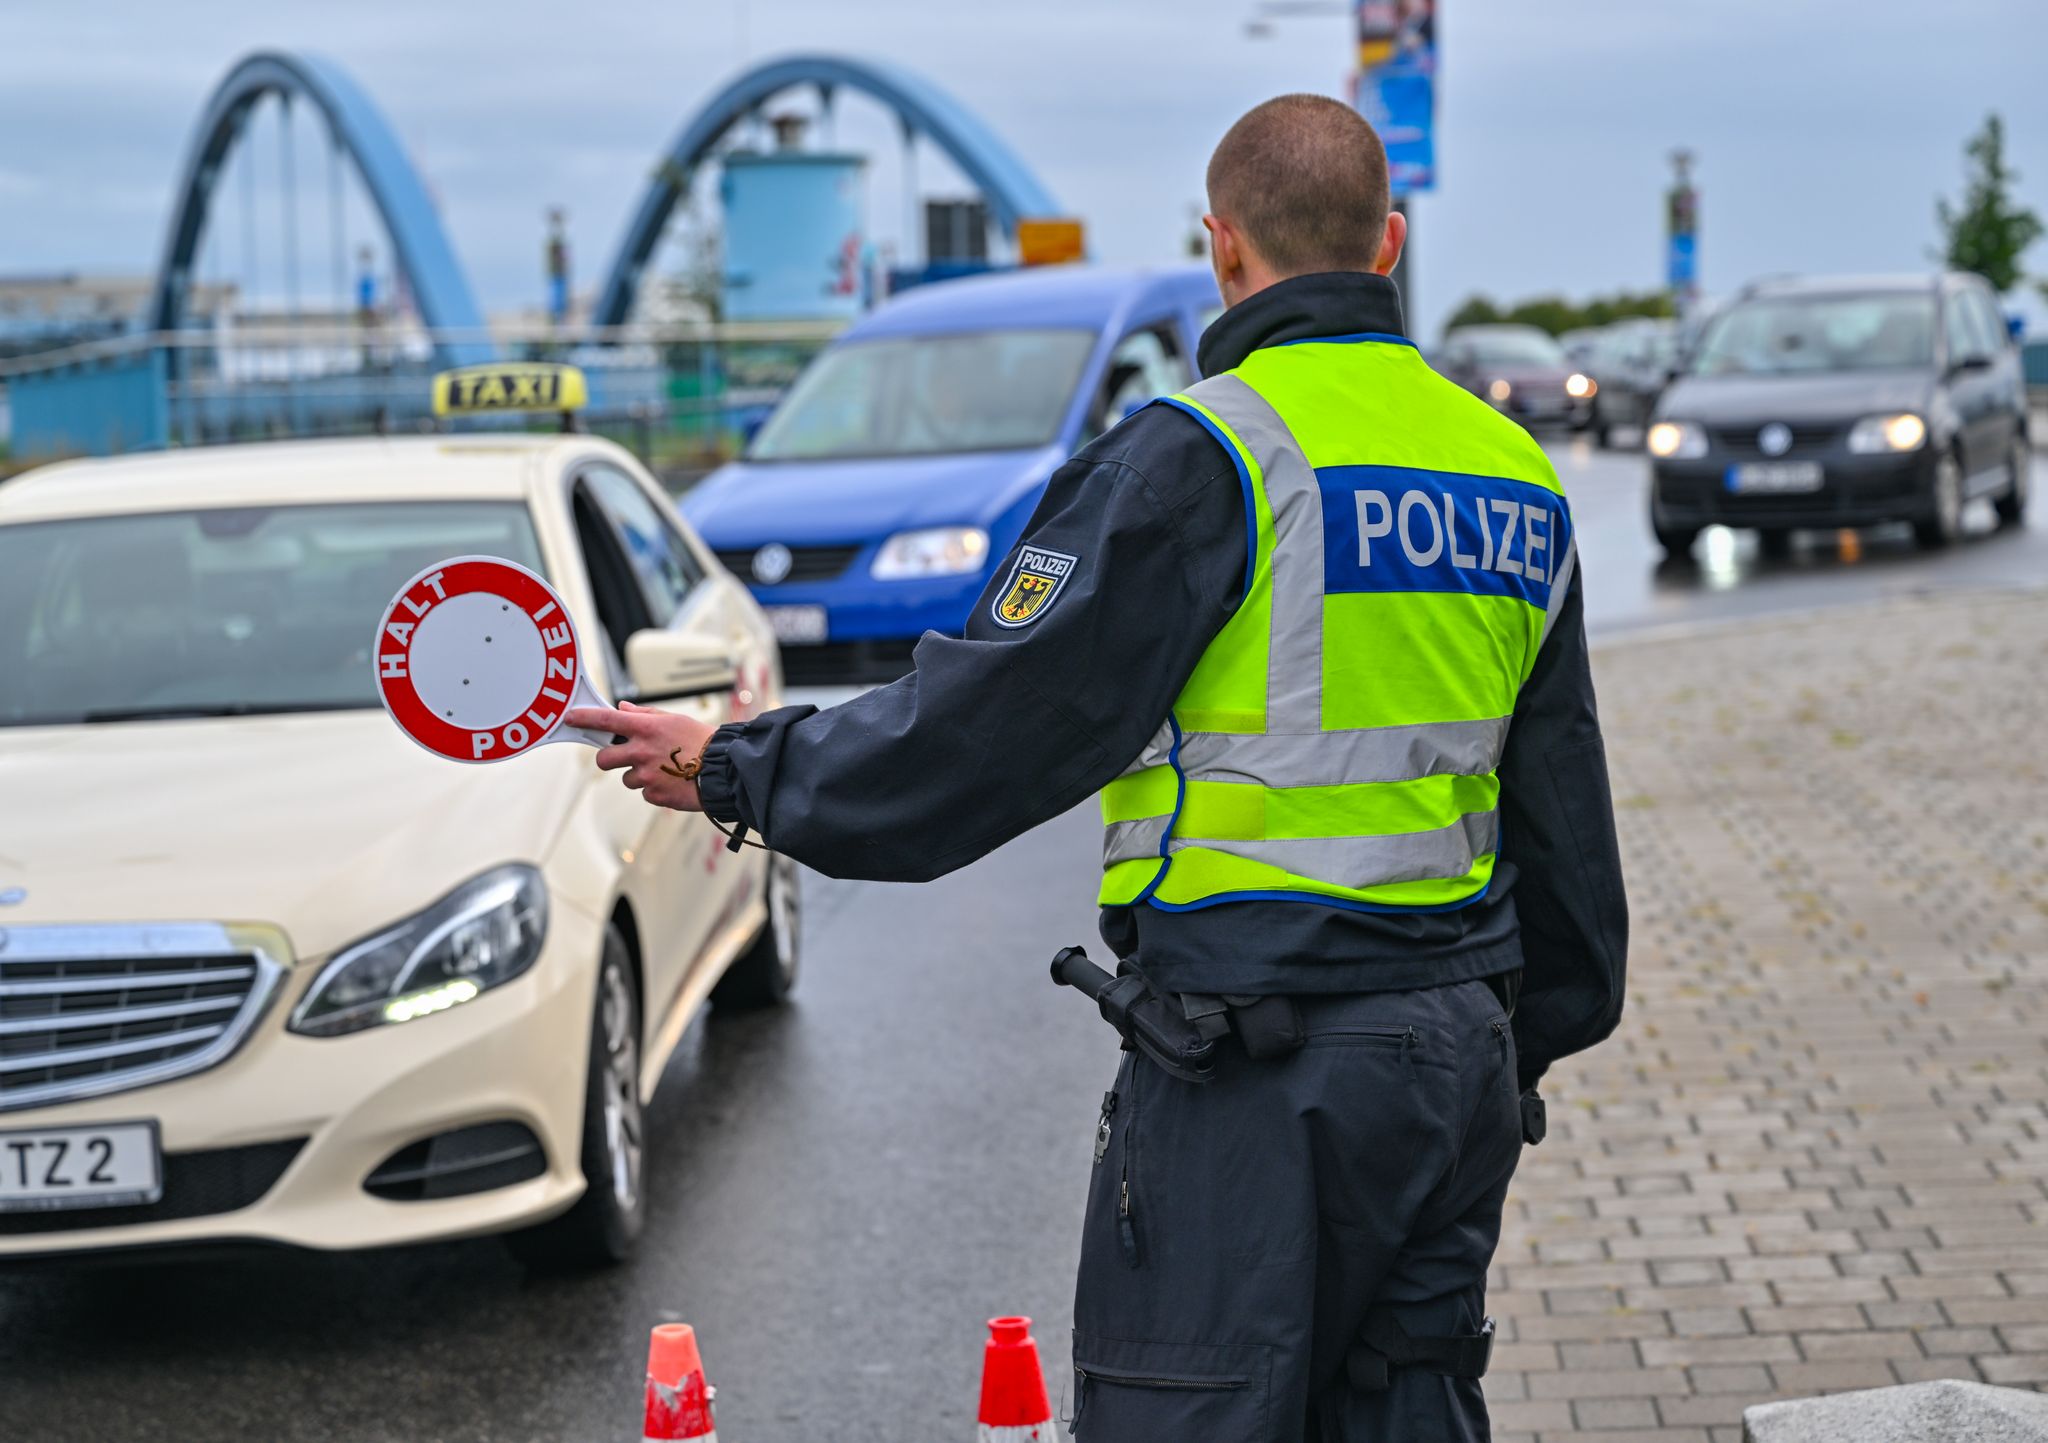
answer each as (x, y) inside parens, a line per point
(1305, 178)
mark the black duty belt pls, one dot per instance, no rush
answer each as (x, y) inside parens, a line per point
(1181, 1032)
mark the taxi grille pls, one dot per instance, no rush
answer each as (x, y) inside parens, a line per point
(86, 1011)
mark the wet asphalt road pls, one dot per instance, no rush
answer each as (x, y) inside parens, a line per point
(841, 1192)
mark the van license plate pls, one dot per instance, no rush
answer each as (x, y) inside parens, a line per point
(797, 625)
(111, 1164)
(1775, 478)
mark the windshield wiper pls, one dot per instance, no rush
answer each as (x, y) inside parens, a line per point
(204, 709)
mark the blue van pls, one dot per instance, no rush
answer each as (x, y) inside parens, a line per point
(900, 468)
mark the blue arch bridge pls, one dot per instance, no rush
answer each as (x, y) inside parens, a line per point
(186, 378)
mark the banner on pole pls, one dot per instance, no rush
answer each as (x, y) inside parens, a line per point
(1395, 86)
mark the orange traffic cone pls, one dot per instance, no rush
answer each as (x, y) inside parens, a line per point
(678, 1398)
(1014, 1408)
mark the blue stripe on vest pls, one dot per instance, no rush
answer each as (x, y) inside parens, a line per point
(1394, 528)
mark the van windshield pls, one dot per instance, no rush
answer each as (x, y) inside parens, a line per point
(922, 395)
(1803, 335)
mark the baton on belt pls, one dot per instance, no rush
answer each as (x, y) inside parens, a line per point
(1146, 1020)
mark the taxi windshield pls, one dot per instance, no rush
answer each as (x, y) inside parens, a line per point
(233, 612)
(923, 395)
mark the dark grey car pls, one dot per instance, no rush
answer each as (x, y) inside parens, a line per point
(1825, 403)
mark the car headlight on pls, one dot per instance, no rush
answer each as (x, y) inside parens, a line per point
(1579, 385)
(1499, 391)
(1676, 441)
(1872, 434)
(485, 932)
(940, 551)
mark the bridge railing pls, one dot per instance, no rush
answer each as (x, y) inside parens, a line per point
(681, 395)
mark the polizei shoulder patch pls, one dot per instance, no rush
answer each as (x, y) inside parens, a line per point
(1034, 581)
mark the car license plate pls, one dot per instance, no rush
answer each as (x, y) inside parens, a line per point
(107, 1165)
(797, 625)
(1777, 478)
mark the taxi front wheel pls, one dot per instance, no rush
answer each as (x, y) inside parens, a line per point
(603, 1226)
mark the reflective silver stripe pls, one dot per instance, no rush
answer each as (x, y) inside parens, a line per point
(1294, 654)
(1156, 751)
(1369, 861)
(1128, 841)
(1335, 758)
(1560, 583)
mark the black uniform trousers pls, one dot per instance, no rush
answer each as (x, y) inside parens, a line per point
(1238, 1229)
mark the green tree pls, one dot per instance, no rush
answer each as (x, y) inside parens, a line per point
(1990, 230)
(1476, 311)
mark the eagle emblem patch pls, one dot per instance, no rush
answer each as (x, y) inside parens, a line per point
(1034, 581)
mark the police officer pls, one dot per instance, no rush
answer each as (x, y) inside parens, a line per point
(1312, 629)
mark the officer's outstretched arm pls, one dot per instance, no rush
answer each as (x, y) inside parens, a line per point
(1557, 828)
(1072, 658)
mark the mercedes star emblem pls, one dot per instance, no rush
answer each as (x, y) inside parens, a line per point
(772, 563)
(1775, 439)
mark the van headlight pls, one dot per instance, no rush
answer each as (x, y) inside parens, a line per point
(1676, 440)
(939, 551)
(485, 932)
(1874, 434)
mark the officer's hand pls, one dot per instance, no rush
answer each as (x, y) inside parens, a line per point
(655, 745)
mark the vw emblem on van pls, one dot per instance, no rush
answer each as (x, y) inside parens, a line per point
(1775, 439)
(772, 563)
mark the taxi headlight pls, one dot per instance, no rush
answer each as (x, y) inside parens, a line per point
(1676, 441)
(940, 551)
(1499, 390)
(1873, 434)
(1578, 385)
(485, 932)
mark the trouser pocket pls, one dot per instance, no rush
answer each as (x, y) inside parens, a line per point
(1131, 1391)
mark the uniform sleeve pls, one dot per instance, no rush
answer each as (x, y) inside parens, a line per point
(1012, 724)
(1557, 830)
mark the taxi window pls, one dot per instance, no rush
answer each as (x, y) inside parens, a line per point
(661, 561)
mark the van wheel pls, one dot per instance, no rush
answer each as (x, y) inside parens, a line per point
(601, 1229)
(1944, 524)
(2012, 506)
(763, 975)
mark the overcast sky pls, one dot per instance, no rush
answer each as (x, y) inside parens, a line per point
(1824, 128)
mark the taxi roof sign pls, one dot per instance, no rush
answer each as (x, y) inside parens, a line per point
(510, 386)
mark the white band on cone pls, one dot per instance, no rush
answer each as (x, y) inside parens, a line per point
(1024, 1433)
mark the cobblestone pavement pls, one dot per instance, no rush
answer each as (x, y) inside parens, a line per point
(1815, 1155)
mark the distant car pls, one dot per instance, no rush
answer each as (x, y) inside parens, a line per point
(1578, 344)
(1522, 370)
(271, 972)
(902, 465)
(1631, 363)
(1833, 402)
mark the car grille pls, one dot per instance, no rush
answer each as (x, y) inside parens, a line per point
(1806, 436)
(848, 663)
(806, 563)
(86, 1011)
(196, 1185)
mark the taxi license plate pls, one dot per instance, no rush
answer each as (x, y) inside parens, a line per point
(1774, 478)
(111, 1164)
(798, 625)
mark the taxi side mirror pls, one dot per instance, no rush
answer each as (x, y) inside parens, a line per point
(672, 665)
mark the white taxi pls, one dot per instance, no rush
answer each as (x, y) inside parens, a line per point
(268, 970)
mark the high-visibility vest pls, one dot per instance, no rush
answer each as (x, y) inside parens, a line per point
(1408, 550)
